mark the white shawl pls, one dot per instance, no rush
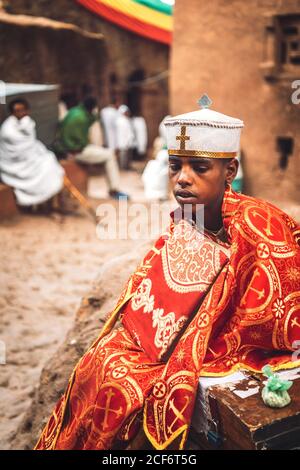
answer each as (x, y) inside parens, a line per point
(26, 164)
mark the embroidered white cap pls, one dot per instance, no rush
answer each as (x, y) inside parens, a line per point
(203, 133)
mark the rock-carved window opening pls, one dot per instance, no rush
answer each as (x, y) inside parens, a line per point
(288, 38)
(285, 148)
(282, 47)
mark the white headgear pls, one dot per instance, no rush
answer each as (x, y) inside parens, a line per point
(203, 133)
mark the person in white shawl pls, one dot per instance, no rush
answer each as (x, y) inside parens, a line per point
(140, 136)
(125, 137)
(25, 163)
(109, 116)
(156, 173)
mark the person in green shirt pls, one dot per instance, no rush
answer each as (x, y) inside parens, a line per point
(73, 140)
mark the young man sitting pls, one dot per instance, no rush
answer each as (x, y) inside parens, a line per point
(204, 301)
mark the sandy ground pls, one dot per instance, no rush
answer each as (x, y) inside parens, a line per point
(47, 265)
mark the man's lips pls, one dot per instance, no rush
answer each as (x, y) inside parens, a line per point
(185, 197)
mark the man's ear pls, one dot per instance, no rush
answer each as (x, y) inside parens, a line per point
(231, 170)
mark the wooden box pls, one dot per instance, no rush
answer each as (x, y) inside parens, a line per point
(232, 415)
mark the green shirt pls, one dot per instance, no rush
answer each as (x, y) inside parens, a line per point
(73, 132)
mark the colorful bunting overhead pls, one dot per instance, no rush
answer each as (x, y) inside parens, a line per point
(152, 19)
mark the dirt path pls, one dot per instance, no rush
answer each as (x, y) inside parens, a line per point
(47, 265)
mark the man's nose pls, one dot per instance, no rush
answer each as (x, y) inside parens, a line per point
(185, 177)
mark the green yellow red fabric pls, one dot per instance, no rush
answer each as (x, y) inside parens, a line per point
(248, 318)
(157, 5)
(139, 17)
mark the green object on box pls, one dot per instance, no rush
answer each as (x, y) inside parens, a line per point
(275, 393)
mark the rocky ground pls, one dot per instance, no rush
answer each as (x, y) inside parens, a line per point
(51, 268)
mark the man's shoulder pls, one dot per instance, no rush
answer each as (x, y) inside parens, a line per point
(263, 217)
(247, 203)
(8, 124)
(8, 120)
(77, 113)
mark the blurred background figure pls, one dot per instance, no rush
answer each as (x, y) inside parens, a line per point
(108, 116)
(125, 137)
(237, 184)
(140, 137)
(66, 102)
(25, 163)
(156, 174)
(95, 136)
(160, 141)
(78, 139)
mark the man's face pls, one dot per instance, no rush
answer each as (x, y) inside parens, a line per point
(200, 180)
(20, 110)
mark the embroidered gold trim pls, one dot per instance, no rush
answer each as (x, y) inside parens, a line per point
(174, 276)
(201, 153)
(197, 123)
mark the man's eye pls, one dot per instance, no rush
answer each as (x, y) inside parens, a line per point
(174, 167)
(200, 169)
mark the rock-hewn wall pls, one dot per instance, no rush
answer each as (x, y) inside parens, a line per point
(222, 48)
(34, 57)
(31, 54)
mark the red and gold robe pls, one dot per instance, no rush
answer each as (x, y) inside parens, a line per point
(248, 316)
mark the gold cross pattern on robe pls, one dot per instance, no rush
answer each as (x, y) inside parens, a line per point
(183, 137)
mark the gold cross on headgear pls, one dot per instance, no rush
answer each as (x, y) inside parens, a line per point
(182, 137)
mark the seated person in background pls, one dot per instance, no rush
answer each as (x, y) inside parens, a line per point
(155, 177)
(211, 297)
(25, 163)
(73, 141)
(160, 141)
(156, 173)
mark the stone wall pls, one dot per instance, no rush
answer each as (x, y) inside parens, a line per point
(31, 54)
(121, 54)
(220, 48)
